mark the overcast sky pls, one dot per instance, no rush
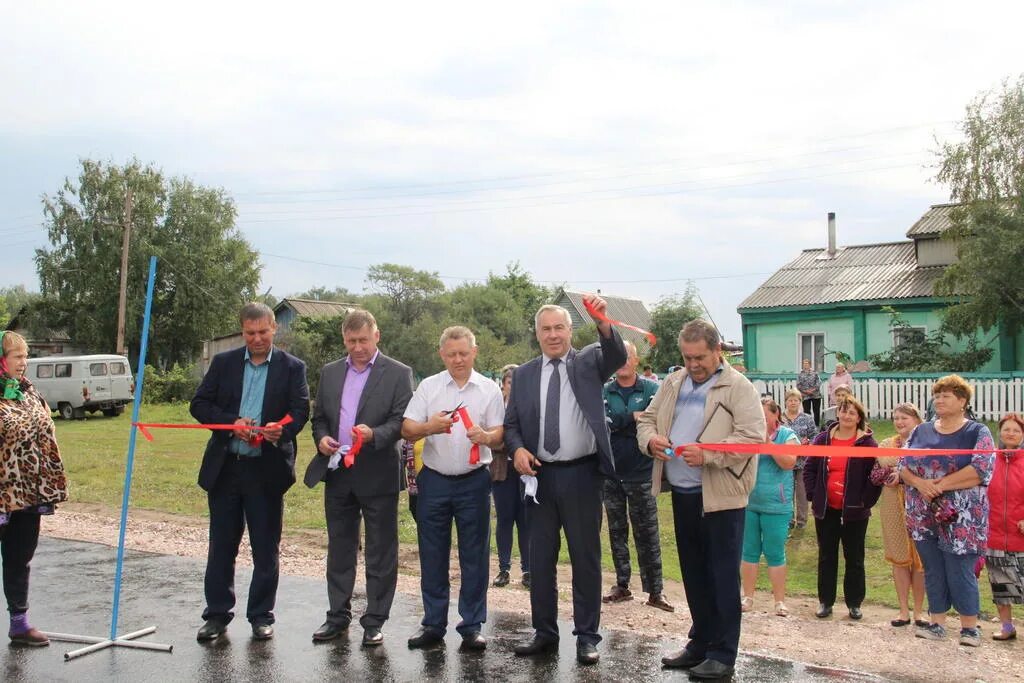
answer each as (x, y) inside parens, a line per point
(621, 146)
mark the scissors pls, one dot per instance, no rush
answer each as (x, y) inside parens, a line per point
(453, 412)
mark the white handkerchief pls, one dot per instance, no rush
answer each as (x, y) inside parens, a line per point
(335, 461)
(530, 484)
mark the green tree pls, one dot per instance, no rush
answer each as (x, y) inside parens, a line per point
(206, 269)
(406, 293)
(919, 352)
(667, 318)
(322, 293)
(317, 341)
(985, 174)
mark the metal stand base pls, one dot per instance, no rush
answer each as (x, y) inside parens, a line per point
(97, 644)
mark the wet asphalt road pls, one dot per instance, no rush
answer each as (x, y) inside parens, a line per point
(72, 584)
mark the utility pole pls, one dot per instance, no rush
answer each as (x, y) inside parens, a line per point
(122, 302)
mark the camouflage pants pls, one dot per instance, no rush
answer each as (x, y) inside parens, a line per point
(631, 502)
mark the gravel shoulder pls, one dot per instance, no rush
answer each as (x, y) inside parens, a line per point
(870, 645)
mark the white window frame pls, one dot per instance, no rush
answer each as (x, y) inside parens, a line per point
(923, 328)
(799, 349)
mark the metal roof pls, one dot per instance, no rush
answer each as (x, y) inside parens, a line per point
(857, 273)
(631, 311)
(935, 220)
(314, 307)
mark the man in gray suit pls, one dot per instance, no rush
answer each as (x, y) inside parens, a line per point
(555, 428)
(366, 393)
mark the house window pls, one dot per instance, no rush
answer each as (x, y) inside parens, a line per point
(812, 348)
(44, 371)
(908, 335)
(63, 370)
(98, 369)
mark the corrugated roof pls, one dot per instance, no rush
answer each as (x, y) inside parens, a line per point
(631, 311)
(934, 221)
(315, 308)
(857, 273)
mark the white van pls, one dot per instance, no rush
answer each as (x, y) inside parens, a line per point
(74, 385)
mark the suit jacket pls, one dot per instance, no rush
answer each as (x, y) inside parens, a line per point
(587, 370)
(218, 400)
(378, 468)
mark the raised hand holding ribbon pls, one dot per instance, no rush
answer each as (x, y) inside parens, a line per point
(603, 317)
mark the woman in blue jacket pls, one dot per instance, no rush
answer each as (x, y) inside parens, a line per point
(768, 513)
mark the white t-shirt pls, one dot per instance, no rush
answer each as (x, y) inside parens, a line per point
(449, 453)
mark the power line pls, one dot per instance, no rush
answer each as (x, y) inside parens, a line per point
(469, 181)
(577, 200)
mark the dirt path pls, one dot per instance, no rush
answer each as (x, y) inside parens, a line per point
(869, 645)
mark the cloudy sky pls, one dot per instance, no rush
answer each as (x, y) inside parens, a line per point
(623, 146)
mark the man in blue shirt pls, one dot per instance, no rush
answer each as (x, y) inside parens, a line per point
(246, 476)
(627, 495)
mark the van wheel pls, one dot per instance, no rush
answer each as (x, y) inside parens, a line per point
(66, 411)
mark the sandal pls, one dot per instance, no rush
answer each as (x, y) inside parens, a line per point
(781, 610)
(747, 603)
(1005, 635)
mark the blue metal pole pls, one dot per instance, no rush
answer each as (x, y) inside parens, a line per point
(131, 446)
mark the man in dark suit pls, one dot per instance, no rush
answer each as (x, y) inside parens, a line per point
(246, 476)
(555, 426)
(365, 392)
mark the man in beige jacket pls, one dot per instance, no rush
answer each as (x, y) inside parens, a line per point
(705, 402)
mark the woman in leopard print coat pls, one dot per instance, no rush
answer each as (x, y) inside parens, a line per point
(32, 480)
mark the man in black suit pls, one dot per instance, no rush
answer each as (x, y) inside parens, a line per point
(555, 426)
(245, 476)
(365, 392)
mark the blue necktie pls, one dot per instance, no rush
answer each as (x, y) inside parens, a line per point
(551, 406)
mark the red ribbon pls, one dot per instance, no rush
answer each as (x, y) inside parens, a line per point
(474, 451)
(256, 440)
(812, 451)
(353, 451)
(611, 321)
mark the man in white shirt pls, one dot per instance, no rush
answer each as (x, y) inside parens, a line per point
(460, 414)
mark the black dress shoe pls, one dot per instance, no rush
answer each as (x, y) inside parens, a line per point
(823, 611)
(684, 659)
(372, 637)
(526, 579)
(329, 631)
(586, 654)
(262, 631)
(425, 637)
(855, 613)
(710, 668)
(501, 580)
(536, 646)
(211, 629)
(474, 641)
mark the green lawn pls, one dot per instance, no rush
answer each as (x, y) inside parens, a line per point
(94, 452)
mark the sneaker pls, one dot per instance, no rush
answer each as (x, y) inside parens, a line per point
(971, 637)
(931, 632)
(746, 603)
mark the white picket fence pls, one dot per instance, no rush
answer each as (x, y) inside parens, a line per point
(993, 398)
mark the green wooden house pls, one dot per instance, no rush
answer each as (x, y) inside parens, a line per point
(832, 299)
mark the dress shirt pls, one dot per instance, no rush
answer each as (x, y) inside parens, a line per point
(254, 386)
(576, 438)
(449, 453)
(351, 391)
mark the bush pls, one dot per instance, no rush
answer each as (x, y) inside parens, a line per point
(177, 383)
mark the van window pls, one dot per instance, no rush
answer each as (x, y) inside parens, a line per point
(62, 370)
(44, 371)
(98, 369)
(117, 368)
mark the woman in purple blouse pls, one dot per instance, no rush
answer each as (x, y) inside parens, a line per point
(947, 508)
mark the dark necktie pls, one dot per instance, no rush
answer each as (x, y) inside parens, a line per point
(551, 438)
